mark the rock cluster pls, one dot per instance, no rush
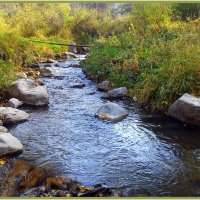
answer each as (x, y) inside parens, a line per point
(28, 180)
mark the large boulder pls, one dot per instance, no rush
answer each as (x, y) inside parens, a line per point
(12, 116)
(9, 144)
(186, 109)
(111, 111)
(46, 72)
(14, 103)
(116, 93)
(103, 86)
(29, 92)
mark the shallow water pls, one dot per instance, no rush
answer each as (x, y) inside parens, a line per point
(149, 154)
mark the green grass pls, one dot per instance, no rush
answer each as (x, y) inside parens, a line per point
(157, 64)
(6, 76)
(147, 51)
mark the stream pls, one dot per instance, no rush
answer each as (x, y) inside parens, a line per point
(148, 153)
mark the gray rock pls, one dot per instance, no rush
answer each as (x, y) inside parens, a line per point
(116, 93)
(14, 103)
(111, 111)
(9, 144)
(186, 109)
(12, 115)
(46, 72)
(1, 123)
(3, 129)
(29, 92)
(103, 86)
(68, 55)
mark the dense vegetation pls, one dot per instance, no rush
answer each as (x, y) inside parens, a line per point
(152, 48)
(156, 57)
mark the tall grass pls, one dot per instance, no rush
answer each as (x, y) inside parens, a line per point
(154, 56)
(157, 59)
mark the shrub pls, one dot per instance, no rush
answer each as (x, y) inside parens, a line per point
(157, 59)
(6, 76)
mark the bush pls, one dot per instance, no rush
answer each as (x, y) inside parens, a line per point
(6, 76)
(157, 59)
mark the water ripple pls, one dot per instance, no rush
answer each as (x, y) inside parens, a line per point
(149, 153)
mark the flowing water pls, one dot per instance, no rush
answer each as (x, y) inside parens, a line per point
(149, 154)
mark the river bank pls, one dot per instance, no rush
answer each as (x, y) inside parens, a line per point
(121, 154)
(92, 151)
(23, 179)
(18, 177)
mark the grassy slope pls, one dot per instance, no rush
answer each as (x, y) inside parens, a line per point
(157, 58)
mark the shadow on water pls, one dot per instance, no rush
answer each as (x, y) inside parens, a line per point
(150, 154)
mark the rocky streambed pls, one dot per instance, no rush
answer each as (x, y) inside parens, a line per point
(74, 153)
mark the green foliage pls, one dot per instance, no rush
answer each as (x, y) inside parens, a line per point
(84, 27)
(187, 11)
(157, 59)
(149, 50)
(112, 59)
(41, 20)
(6, 75)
